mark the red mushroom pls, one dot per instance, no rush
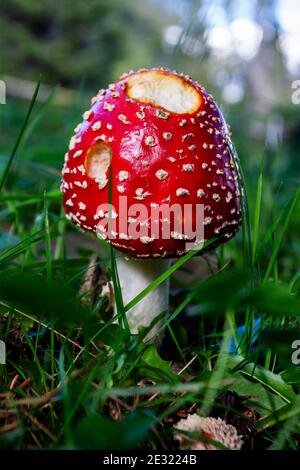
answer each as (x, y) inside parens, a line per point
(164, 143)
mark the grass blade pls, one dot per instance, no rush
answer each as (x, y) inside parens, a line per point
(20, 137)
(281, 236)
(164, 276)
(11, 253)
(285, 413)
(257, 216)
(47, 239)
(267, 378)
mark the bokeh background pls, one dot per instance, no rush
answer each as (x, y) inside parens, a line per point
(246, 52)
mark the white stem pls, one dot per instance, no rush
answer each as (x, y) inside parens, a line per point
(135, 275)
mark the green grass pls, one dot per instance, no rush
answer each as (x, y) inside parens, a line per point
(77, 379)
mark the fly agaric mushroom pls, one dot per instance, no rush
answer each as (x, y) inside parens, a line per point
(161, 141)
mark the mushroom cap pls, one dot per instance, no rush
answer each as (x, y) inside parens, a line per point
(156, 146)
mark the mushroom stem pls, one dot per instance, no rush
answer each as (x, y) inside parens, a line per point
(135, 275)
